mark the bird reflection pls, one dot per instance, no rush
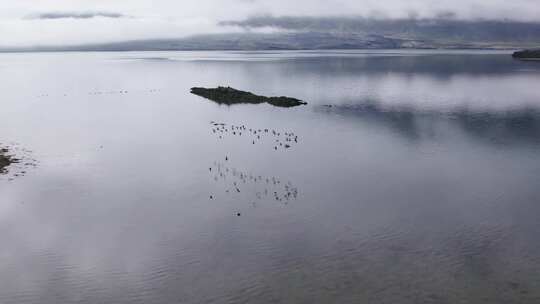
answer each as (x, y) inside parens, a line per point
(258, 187)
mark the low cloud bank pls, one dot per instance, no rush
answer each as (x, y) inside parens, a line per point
(75, 15)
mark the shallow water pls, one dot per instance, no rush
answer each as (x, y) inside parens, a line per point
(419, 184)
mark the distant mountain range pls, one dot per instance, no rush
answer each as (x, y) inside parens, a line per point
(301, 33)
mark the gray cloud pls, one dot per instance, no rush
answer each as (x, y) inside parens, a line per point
(76, 15)
(93, 21)
(358, 23)
(445, 26)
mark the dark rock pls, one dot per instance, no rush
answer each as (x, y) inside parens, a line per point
(5, 160)
(229, 96)
(527, 54)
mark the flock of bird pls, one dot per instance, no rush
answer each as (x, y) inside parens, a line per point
(21, 161)
(106, 92)
(279, 140)
(258, 187)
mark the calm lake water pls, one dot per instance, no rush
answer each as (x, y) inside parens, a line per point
(411, 177)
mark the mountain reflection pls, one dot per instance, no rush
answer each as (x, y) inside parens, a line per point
(440, 66)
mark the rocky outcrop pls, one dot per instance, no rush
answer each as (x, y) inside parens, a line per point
(527, 54)
(5, 160)
(229, 96)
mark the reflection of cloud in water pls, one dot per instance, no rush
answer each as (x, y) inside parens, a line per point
(436, 81)
(441, 65)
(437, 65)
(232, 182)
(498, 128)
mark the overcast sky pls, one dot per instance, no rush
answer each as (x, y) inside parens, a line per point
(32, 22)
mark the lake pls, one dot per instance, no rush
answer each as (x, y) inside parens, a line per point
(409, 177)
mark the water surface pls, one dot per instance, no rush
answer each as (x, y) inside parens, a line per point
(414, 178)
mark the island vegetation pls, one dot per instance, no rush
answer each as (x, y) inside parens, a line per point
(527, 54)
(229, 96)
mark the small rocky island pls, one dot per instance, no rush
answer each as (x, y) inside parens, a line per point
(229, 96)
(5, 160)
(527, 54)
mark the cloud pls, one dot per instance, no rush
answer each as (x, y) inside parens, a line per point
(75, 15)
(445, 27)
(446, 21)
(90, 21)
